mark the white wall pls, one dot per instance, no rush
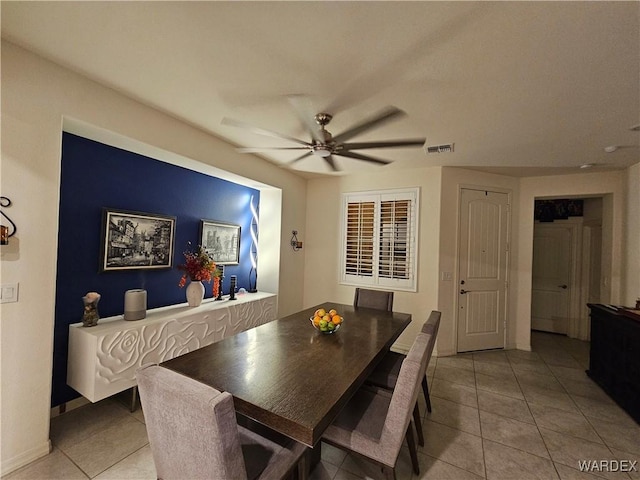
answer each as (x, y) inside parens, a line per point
(632, 237)
(36, 98)
(322, 241)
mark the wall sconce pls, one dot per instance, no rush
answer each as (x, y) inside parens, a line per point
(295, 243)
(253, 251)
(4, 230)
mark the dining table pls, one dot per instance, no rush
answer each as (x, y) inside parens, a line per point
(291, 377)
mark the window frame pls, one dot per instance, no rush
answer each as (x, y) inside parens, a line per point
(376, 279)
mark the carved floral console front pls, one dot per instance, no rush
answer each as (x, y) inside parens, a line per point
(103, 359)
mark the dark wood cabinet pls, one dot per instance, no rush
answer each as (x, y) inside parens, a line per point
(614, 359)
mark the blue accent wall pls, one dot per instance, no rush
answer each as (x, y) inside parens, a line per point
(94, 176)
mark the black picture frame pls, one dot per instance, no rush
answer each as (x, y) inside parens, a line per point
(134, 240)
(221, 241)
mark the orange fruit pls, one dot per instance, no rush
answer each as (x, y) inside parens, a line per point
(316, 320)
(337, 319)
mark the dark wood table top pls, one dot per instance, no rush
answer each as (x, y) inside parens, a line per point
(290, 377)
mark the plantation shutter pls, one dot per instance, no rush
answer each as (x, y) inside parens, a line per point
(380, 230)
(394, 250)
(360, 238)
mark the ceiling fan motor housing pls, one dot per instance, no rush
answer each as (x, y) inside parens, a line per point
(323, 118)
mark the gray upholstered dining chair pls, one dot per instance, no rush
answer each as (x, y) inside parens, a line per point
(375, 421)
(194, 434)
(386, 373)
(378, 299)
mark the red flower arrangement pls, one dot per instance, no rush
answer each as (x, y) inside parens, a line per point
(198, 266)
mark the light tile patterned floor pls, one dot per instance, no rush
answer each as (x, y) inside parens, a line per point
(496, 415)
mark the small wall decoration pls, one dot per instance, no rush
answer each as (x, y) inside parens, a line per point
(136, 240)
(90, 315)
(221, 241)
(4, 230)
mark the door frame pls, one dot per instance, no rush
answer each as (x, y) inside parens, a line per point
(574, 225)
(590, 231)
(456, 275)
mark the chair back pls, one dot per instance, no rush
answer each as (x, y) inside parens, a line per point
(378, 299)
(432, 324)
(431, 327)
(404, 397)
(192, 427)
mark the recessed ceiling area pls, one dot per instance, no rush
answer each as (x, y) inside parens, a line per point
(522, 88)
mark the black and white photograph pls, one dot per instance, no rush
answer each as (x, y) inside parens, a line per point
(221, 241)
(136, 240)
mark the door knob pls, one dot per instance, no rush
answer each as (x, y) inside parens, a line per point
(462, 292)
(564, 287)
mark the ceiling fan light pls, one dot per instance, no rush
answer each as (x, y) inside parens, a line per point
(321, 151)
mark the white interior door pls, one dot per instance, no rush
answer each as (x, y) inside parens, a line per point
(551, 282)
(483, 255)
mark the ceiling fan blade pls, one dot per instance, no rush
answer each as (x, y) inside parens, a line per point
(304, 111)
(366, 158)
(300, 158)
(261, 131)
(416, 142)
(267, 149)
(384, 116)
(332, 163)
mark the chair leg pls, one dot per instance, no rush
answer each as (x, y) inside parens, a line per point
(412, 448)
(425, 389)
(418, 421)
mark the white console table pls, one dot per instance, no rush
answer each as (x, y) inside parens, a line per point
(103, 359)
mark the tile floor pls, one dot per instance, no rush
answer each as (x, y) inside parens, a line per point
(496, 415)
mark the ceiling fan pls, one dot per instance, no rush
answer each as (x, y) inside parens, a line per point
(323, 144)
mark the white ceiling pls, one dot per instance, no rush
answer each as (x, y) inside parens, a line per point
(522, 88)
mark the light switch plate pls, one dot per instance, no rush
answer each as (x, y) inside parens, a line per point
(8, 292)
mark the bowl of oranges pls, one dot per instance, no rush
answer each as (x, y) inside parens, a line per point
(327, 321)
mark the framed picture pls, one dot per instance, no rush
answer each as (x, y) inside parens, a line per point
(136, 240)
(221, 241)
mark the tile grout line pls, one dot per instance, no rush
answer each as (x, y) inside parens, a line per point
(74, 463)
(532, 416)
(580, 411)
(484, 456)
(119, 461)
(546, 446)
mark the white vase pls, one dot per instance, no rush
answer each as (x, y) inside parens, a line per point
(195, 293)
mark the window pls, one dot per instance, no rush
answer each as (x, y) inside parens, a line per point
(380, 238)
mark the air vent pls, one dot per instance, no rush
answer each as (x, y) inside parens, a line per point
(446, 148)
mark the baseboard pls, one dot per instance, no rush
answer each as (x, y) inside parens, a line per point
(400, 348)
(68, 406)
(445, 352)
(25, 458)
